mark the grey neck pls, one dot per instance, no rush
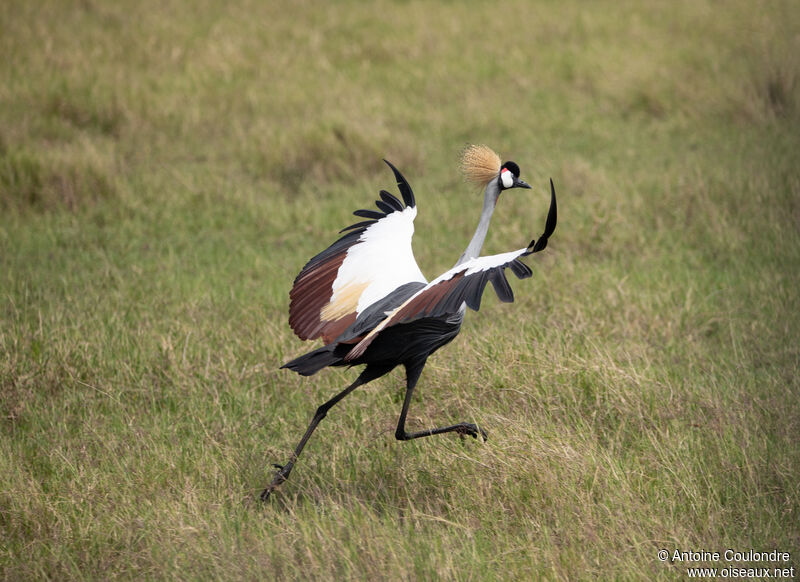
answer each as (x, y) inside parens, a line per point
(489, 201)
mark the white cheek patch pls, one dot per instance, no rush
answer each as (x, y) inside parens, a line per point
(507, 178)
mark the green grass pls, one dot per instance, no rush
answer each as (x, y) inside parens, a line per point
(167, 167)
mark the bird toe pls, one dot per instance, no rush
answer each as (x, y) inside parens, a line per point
(472, 430)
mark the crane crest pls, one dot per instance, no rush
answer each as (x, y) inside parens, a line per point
(479, 164)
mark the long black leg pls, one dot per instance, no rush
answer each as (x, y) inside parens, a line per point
(369, 374)
(413, 371)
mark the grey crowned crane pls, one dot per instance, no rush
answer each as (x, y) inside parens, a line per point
(367, 299)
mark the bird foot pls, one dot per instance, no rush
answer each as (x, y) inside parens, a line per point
(473, 430)
(280, 477)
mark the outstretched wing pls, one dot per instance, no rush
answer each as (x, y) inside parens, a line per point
(362, 267)
(464, 283)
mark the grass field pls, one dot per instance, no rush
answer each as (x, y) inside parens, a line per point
(167, 167)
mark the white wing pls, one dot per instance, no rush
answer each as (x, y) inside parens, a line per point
(360, 268)
(448, 292)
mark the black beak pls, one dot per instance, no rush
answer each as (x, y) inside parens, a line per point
(520, 184)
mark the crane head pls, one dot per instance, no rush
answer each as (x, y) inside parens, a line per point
(480, 165)
(509, 177)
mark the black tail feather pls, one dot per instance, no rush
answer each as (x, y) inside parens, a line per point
(312, 362)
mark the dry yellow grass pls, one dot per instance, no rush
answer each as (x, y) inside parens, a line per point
(166, 169)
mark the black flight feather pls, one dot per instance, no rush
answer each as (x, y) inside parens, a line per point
(391, 200)
(387, 204)
(520, 269)
(402, 185)
(475, 289)
(369, 214)
(387, 208)
(550, 225)
(363, 224)
(501, 286)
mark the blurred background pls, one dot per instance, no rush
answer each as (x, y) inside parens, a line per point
(166, 168)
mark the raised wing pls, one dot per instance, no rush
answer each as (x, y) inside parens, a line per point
(362, 267)
(464, 283)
